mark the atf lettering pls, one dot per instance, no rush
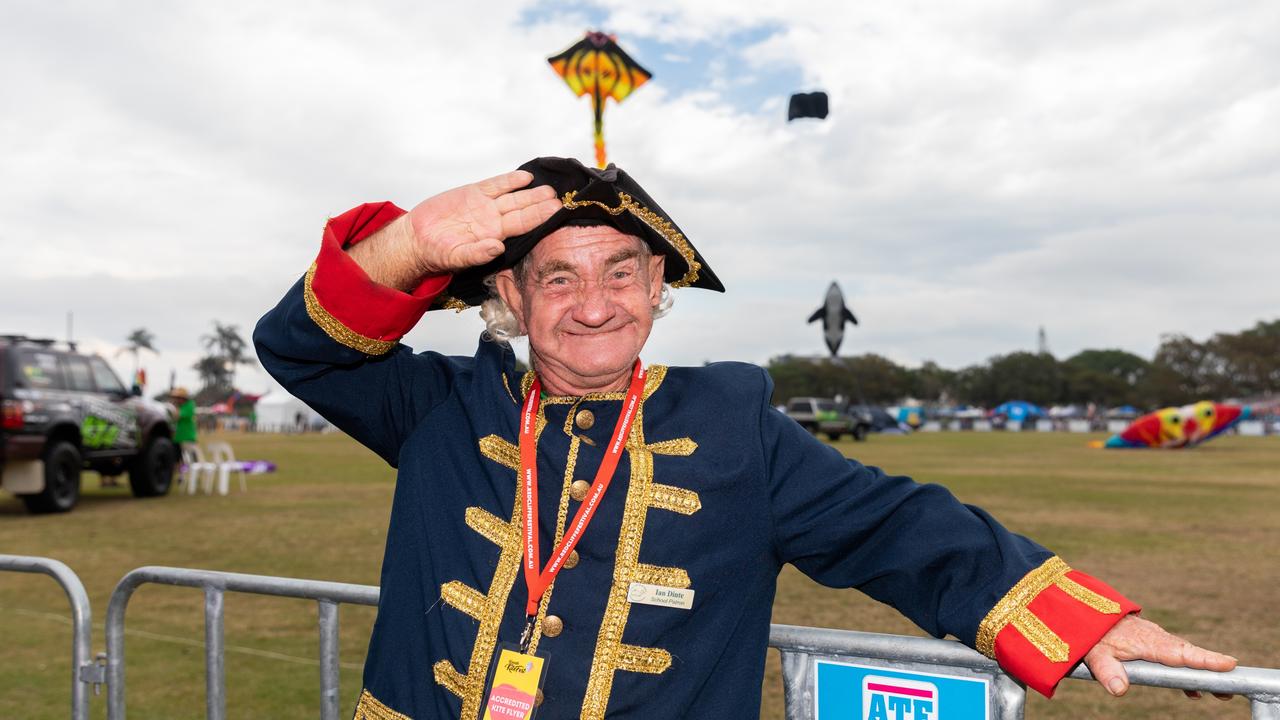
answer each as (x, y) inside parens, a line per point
(899, 708)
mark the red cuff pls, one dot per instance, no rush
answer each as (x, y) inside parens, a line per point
(1048, 622)
(346, 304)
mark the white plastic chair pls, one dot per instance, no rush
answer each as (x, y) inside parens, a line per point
(225, 461)
(196, 466)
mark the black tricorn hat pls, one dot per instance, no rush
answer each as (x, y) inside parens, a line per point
(591, 197)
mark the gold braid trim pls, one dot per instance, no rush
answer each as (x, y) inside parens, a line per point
(611, 654)
(1106, 606)
(467, 599)
(448, 677)
(643, 660)
(677, 500)
(1041, 637)
(449, 302)
(1012, 610)
(495, 530)
(370, 709)
(673, 577)
(501, 451)
(334, 328)
(682, 447)
(656, 222)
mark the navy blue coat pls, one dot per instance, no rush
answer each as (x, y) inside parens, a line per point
(717, 490)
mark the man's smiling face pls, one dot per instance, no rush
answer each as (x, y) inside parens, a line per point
(585, 298)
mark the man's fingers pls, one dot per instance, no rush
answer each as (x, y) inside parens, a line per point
(1168, 649)
(1107, 670)
(476, 253)
(524, 198)
(505, 183)
(518, 222)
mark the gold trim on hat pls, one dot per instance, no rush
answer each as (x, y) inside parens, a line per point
(656, 222)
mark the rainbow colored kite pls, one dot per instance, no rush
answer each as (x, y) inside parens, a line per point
(1182, 427)
(596, 66)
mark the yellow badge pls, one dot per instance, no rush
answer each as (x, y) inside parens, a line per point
(514, 688)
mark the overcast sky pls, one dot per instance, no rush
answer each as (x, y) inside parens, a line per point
(1109, 171)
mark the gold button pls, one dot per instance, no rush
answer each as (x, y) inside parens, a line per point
(572, 560)
(552, 626)
(585, 419)
(537, 699)
(578, 489)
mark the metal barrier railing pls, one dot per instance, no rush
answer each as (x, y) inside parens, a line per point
(328, 596)
(803, 648)
(806, 652)
(84, 671)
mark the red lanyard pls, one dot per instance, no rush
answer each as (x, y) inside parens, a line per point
(539, 582)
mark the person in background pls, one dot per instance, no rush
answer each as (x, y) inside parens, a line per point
(184, 433)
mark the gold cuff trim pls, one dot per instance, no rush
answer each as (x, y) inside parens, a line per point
(655, 222)
(679, 500)
(1101, 604)
(1041, 637)
(370, 709)
(501, 451)
(334, 328)
(1012, 610)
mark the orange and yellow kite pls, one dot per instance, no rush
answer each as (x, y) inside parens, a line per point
(596, 66)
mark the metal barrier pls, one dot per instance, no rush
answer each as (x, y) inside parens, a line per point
(806, 652)
(84, 671)
(215, 584)
(803, 648)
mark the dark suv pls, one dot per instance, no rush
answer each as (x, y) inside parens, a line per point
(64, 412)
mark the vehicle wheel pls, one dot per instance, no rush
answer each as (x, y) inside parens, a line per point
(151, 473)
(860, 433)
(811, 427)
(834, 436)
(62, 466)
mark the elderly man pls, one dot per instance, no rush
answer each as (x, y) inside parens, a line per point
(599, 537)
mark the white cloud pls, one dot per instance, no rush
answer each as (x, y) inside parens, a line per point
(988, 167)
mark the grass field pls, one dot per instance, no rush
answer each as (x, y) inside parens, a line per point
(1193, 535)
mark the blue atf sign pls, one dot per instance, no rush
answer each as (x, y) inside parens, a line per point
(858, 692)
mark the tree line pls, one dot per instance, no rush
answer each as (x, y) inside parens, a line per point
(1183, 370)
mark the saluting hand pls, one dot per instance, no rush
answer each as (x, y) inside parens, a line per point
(457, 229)
(465, 227)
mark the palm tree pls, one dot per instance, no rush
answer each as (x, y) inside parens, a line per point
(226, 345)
(213, 373)
(139, 340)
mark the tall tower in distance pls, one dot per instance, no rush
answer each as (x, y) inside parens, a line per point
(1042, 342)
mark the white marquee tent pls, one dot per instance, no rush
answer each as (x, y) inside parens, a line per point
(278, 411)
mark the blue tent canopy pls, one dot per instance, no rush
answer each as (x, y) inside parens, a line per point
(1018, 410)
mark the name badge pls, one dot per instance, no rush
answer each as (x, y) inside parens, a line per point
(660, 595)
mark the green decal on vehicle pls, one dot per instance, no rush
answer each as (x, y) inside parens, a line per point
(98, 433)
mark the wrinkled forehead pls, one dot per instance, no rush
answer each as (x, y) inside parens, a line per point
(584, 241)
